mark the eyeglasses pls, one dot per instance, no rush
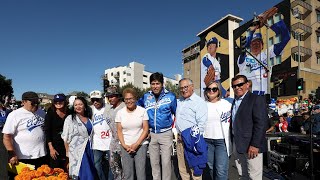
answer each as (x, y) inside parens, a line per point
(95, 99)
(214, 89)
(184, 88)
(238, 85)
(128, 99)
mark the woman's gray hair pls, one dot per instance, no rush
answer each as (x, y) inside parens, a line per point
(219, 90)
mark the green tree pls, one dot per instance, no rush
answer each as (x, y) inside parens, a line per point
(83, 94)
(173, 88)
(5, 87)
(139, 91)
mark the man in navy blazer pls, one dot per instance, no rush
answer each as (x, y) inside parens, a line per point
(249, 124)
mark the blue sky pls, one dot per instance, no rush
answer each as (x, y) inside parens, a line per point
(55, 46)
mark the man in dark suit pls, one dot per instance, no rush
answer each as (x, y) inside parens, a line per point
(249, 124)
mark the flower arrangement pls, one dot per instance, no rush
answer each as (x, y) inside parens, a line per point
(43, 172)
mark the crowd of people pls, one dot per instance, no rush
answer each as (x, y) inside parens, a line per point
(111, 140)
(295, 117)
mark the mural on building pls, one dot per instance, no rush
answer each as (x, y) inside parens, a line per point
(214, 57)
(253, 62)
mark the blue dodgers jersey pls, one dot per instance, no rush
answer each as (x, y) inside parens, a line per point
(159, 112)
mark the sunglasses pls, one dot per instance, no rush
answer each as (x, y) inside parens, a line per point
(238, 85)
(214, 89)
(95, 99)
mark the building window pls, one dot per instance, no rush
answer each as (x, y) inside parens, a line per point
(145, 83)
(112, 74)
(128, 74)
(318, 16)
(270, 41)
(145, 76)
(277, 38)
(188, 72)
(318, 38)
(277, 18)
(271, 61)
(296, 57)
(318, 59)
(124, 80)
(124, 72)
(278, 60)
(270, 21)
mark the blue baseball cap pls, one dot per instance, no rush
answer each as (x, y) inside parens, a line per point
(213, 40)
(59, 97)
(257, 36)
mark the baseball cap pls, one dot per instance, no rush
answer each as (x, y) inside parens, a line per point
(59, 98)
(213, 40)
(257, 36)
(112, 91)
(30, 95)
(96, 94)
(316, 107)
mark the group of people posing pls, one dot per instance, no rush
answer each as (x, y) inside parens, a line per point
(110, 141)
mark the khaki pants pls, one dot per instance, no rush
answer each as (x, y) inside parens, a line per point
(161, 142)
(248, 168)
(184, 170)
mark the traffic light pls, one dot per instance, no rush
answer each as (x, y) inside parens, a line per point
(243, 40)
(106, 84)
(300, 84)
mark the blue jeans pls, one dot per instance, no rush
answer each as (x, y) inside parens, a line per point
(218, 160)
(101, 163)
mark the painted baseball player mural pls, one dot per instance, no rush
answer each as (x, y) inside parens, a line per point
(210, 66)
(247, 64)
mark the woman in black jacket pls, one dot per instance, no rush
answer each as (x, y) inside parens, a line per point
(54, 121)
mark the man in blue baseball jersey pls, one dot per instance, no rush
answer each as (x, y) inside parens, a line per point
(160, 105)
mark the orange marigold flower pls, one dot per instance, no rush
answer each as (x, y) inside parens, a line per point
(48, 170)
(38, 173)
(25, 169)
(58, 170)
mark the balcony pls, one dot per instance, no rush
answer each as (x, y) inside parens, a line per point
(305, 53)
(116, 76)
(190, 54)
(306, 6)
(304, 30)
